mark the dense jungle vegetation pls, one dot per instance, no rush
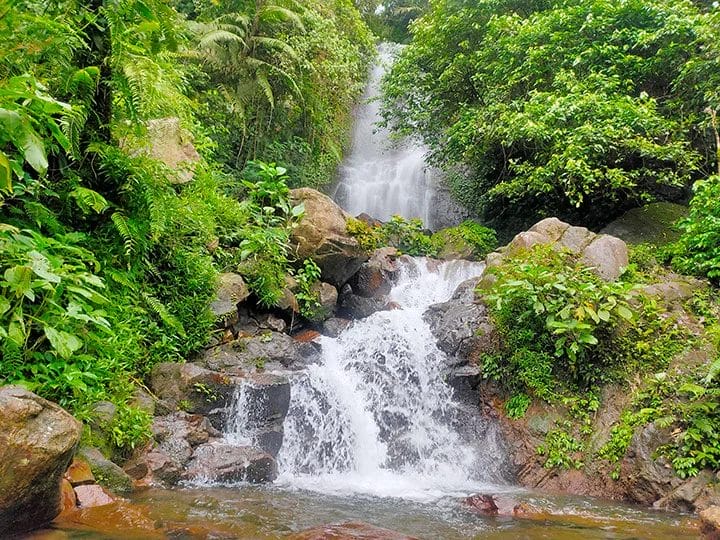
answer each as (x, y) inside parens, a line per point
(108, 256)
(576, 108)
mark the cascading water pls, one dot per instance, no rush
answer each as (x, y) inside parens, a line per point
(376, 417)
(382, 178)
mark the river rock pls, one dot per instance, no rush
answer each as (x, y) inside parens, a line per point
(105, 472)
(231, 291)
(118, 519)
(353, 306)
(93, 495)
(710, 523)
(79, 473)
(37, 442)
(322, 236)
(375, 278)
(334, 326)
(352, 530)
(191, 387)
(225, 463)
(463, 327)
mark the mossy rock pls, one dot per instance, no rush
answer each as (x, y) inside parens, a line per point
(106, 473)
(650, 224)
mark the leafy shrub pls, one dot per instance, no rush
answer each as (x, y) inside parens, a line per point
(307, 276)
(407, 235)
(481, 240)
(697, 251)
(561, 449)
(552, 313)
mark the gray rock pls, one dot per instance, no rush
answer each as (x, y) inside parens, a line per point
(375, 278)
(322, 235)
(359, 307)
(37, 442)
(464, 381)
(335, 326)
(607, 255)
(231, 291)
(651, 224)
(218, 462)
(327, 296)
(576, 239)
(191, 387)
(551, 228)
(106, 473)
(272, 351)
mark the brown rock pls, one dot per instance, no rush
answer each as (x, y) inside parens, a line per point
(68, 499)
(710, 523)
(482, 504)
(375, 278)
(199, 390)
(93, 495)
(352, 530)
(37, 442)
(306, 336)
(525, 240)
(79, 473)
(322, 236)
(576, 239)
(118, 519)
(552, 228)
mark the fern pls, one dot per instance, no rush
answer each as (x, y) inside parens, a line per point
(162, 311)
(122, 226)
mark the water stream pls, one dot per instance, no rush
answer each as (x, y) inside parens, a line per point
(382, 177)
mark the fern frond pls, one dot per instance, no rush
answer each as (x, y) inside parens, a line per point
(157, 307)
(122, 226)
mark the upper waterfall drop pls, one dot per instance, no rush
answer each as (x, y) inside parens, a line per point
(383, 178)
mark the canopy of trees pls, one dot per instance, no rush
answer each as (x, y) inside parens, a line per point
(579, 109)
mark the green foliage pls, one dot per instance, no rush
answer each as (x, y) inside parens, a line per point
(307, 276)
(129, 429)
(469, 239)
(561, 450)
(517, 406)
(552, 313)
(698, 249)
(407, 235)
(553, 108)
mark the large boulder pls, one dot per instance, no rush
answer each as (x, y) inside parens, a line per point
(191, 387)
(270, 350)
(37, 442)
(322, 235)
(226, 463)
(710, 522)
(650, 224)
(375, 278)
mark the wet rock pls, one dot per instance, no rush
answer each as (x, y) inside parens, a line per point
(710, 523)
(327, 297)
(607, 255)
(106, 472)
(191, 387)
(672, 292)
(482, 504)
(352, 530)
(37, 442)
(353, 306)
(252, 322)
(306, 336)
(68, 499)
(79, 473)
(684, 497)
(118, 519)
(143, 401)
(178, 433)
(464, 381)
(375, 278)
(93, 495)
(271, 350)
(155, 467)
(231, 291)
(335, 326)
(218, 462)
(322, 235)
(463, 329)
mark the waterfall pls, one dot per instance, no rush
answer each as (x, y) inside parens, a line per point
(376, 417)
(381, 177)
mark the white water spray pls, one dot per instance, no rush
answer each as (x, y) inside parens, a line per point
(382, 178)
(376, 416)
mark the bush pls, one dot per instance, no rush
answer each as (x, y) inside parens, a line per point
(697, 251)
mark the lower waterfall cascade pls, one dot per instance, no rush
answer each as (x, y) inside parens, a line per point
(376, 416)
